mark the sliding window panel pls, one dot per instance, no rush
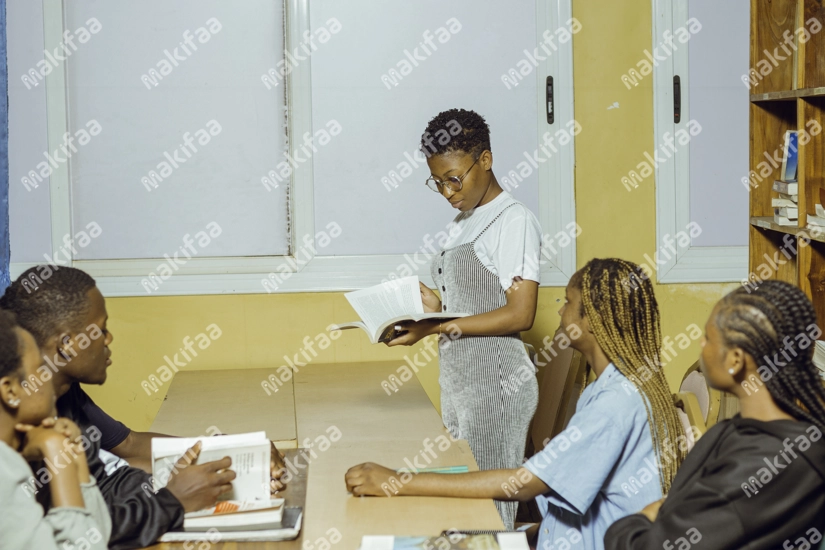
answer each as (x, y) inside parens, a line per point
(391, 68)
(29, 213)
(173, 129)
(718, 57)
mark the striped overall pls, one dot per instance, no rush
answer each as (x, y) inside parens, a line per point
(489, 391)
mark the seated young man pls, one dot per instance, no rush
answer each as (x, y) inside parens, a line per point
(757, 480)
(66, 314)
(589, 475)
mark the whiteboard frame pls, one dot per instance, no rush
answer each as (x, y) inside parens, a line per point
(695, 264)
(243, 275)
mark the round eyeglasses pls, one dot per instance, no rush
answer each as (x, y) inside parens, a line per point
(453, 183)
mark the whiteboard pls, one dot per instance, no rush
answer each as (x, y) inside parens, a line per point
(144, 120)
(382, 124)
(719, 102)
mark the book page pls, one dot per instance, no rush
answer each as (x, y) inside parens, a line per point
(250, 454)
(378, 304)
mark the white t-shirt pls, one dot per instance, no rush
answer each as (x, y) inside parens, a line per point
(510, 247)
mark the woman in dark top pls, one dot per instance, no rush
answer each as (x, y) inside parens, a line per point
(758, 480)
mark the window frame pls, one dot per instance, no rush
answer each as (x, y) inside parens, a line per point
(694, 264)
(244, 275)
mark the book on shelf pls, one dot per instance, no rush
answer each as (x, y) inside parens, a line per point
(250, 454)
(787, 212)
(382, 306)
(792, 198)
(787, 187)
(783, 221)
(817, 222)
(790, 155)
(449, 540)
(237, 515)
(783, 203)
(289, 530)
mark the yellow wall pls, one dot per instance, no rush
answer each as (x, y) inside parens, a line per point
(259, 329)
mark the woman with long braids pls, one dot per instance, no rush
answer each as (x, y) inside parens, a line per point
(625, 423)
(757, 480)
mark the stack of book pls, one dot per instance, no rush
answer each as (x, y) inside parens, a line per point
(786, 205)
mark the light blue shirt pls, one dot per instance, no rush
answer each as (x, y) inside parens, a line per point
(601, 468)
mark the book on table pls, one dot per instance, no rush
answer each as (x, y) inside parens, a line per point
(250, 454)
(289, 530)
(237, 515)
(449, 541)
(382, 307)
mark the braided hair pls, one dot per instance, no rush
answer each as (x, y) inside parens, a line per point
(760, 322)
(624, 317)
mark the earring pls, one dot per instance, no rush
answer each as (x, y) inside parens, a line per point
(731, 371)
(14, 402)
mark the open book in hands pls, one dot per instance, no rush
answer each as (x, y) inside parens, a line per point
(382, 306)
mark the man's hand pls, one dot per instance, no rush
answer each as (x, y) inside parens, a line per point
(651, 511)
(367, 478)
(198, 486)
(277, 469)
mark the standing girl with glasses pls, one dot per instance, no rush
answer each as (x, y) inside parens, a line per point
(490, 270)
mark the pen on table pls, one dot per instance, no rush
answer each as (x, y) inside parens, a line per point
(439, 470)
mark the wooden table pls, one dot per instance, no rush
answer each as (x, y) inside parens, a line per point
(345, 402)
(232, 401)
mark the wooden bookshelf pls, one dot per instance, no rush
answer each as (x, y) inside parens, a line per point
(790, 97)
